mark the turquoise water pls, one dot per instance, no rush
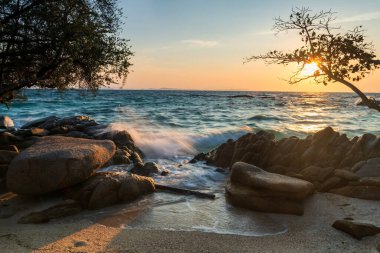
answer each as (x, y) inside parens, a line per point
(186, 122)
(172, 126)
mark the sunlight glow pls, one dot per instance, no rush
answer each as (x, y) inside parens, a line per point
(310, 69)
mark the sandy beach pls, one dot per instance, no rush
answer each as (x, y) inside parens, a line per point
(311, 232)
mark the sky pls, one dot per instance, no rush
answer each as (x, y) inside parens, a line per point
(201, 44)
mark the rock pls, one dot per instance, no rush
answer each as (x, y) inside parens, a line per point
(6, 122)
(77, 134)
(346, 175)
(252, 176)
(3, 186)
(371, 168)
(9, 148)
(95, 130)
(7, 156)
(39, 122)
(316, 174)
(109, 188)
(122, 140)
(253, 188)
(32, 132)
(278, 169)
(164, 173)
(357, 230)
(199, 157)
(331, 183)
(147, 169)
(68, 207)
(56, 162)
(7, 139)
(121, 157)
(368, 181)
(247, 198)
(3, 170)
(136, 158)
(57, 125)
(359, 191)
(357, 166)
(80, 244)
(224, 154)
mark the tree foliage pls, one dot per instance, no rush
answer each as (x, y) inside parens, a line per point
(341, 57)
(60, 44)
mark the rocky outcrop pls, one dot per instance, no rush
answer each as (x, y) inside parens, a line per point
(109, 188)
(253, 188)
(328, 159)
(57, 125)
(357, 230)
(57, 162)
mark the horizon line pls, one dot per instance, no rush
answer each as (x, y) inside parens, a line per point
(179, 89)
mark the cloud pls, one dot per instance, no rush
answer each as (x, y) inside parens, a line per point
(362, 17)
(201, 43)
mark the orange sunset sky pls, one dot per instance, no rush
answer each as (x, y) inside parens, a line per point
(201, 44)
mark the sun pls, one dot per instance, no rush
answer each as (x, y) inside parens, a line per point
(310, 69)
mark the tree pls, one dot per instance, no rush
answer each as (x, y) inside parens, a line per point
(337, 57)
(60, 44)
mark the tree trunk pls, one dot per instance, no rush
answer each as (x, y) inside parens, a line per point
(372, 104)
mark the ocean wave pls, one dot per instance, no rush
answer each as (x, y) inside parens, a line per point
(160, 142)
(261, 117)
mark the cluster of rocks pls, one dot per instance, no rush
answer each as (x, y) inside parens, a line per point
(253, 188)
(330, 160)
(101, 190)
(64, 154)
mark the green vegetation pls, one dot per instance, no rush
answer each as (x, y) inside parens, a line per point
(60, 44)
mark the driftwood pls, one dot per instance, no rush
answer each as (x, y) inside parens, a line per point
(184, 191)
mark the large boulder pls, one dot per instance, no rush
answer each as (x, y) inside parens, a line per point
(109, 188)
(262, 201)
(56, 162)
(253, 188)
(254, 177)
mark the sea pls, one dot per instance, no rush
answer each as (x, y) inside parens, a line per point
(171, 126)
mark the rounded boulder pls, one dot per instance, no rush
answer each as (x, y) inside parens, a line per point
(57, 162)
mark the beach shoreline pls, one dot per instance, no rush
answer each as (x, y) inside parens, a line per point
(311, 232)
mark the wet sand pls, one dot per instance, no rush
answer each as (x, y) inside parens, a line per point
(311, 232)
